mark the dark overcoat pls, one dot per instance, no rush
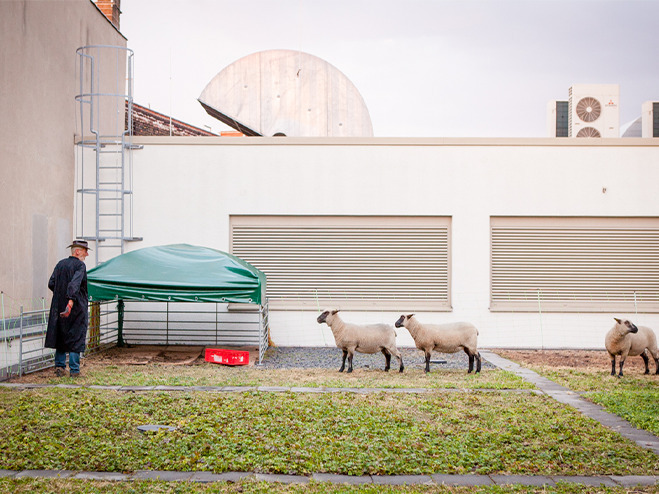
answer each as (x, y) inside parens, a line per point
(68, 282)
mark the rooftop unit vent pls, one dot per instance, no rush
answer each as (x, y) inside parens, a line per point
(594, 111)
(589, 132)
(589, 109)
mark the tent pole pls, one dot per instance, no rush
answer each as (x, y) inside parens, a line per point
(120, 324)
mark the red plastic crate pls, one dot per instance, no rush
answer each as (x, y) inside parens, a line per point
(226, 357)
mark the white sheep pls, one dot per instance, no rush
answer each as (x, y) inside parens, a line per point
(370, 338)
(444, 338)
(626, 339)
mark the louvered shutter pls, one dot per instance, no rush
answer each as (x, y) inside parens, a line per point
(575, 264)
(348, 262)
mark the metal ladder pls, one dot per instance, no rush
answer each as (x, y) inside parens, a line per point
(104, 150)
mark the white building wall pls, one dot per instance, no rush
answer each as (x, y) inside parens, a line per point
(186, 189)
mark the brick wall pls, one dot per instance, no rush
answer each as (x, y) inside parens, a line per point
(111, 10)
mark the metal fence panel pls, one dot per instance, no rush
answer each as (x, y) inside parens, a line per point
(196, 323)
(22, 341)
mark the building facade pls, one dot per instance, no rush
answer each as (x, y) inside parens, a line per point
(38, 42)
(539, 242)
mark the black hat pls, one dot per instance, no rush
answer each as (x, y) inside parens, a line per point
(79, 243)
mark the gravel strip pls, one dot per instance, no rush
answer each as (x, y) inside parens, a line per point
(330, 358)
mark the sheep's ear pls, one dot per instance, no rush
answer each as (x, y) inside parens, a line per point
(618, 320)
(410, 316)
(335, 311)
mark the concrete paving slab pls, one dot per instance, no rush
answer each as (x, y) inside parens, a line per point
(282, 479)
(595, 481)
(273, 389)
(359, 391)
(113, 476)
(535, 480)
(462, 480)
(162, 475)
(334, 390)
(452, 480)
(408, 390)
(634, 480)
(172, 388)
(234, 476)
(206, 388)
(308, 390)
(109, 388)
(342, 479)
(136, 388)
(238, 389)
(402, 479)
(45, 474)
(208, 477)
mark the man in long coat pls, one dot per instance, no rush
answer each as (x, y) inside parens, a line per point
(69, 317)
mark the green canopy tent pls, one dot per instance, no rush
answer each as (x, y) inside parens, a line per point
(180, 273)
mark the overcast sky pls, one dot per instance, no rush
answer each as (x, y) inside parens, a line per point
(426, 68)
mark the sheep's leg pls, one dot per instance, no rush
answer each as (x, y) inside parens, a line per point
(387, 357)
(402, 367)
(343, 364)
(623, 357)
(622, 362)
(471, 361)
(478, 362)
(646, 360)
(613, 365)
(656, 365)
(427, 361)
(350, 354)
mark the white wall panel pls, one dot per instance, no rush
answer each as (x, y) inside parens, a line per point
(186, 189)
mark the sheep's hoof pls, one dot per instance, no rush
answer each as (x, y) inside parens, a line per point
(349, 371)
(386, 369)
(341, 369)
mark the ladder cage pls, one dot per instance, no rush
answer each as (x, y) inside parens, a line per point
(104, 166)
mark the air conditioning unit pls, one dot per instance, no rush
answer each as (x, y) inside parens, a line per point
(557, 118)
(594, 110)
(650, 119)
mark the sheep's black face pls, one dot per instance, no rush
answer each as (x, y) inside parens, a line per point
(321, 318)
(627, 324)
(400, 321)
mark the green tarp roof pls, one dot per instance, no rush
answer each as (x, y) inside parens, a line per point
(183, 273)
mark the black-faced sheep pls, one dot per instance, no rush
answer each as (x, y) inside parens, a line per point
(444, 338)
(370, 338)
(626, 339)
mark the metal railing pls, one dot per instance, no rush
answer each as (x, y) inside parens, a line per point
(23, 337)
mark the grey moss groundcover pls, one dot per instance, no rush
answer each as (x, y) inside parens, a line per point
(304, 433)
